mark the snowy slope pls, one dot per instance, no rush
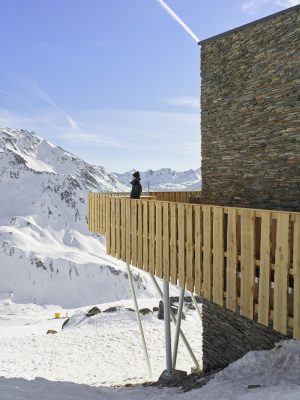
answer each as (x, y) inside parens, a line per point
(82, 360)
(165, 179)
(47, 254)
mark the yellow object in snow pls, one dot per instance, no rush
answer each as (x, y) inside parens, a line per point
(57, 315)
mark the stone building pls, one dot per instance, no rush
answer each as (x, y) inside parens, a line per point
(250, 121)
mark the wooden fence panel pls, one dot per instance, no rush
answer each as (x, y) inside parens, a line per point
(232, 261)
(265, 269)
(218, 255)
(207, 253)
(189, 248)
(281, 274)
(173, 243)
(98, 216)
(118, 228)
(152, 238)
(195, 244)
(181, 245)
(108, 225)
(139, 234)
(296, 274)
(247, 262)
(128, 230)
(134, 232)
(123, 229)
(145, 236)
(166, 241)
(158, 241)
(198, 249)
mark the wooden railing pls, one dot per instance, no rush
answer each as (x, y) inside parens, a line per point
(97, 205)
(243, 259)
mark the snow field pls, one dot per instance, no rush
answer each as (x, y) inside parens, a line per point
(102, 350)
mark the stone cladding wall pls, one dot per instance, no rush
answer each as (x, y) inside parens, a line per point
(250, 119)
(227, 336)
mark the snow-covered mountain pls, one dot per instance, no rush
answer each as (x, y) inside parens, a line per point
(47, 254)
(164, 179)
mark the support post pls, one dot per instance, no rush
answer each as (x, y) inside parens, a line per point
(186, 343)
(167, 326)
(177, 329)
(139, 319)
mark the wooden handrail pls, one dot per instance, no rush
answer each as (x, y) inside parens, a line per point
(246, 260)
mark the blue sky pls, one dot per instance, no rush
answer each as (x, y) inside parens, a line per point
(116, 82)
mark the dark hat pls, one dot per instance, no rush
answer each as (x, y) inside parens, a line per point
(136, 175)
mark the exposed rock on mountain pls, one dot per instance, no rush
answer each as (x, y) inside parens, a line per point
(47, 254)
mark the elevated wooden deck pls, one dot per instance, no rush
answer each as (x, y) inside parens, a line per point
(246, 260)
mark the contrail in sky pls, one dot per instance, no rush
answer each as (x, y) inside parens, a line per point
(175, 16)
(9, 94)
(45, 97)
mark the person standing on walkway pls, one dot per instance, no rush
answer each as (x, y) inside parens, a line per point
(136, 186)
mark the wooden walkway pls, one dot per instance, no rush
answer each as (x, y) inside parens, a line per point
(243, 259)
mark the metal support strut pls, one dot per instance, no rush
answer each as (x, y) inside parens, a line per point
(139, 319)
(167, 327)
(186, 343)
(177, 329)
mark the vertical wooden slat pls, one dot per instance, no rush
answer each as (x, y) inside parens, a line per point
(231, 270)
(247, 262)
(103, 215)
(264, 272)
(189, 248)
(93, 213)
(89, 211)
(281, 273)
(181, 245)
(113, 226)
(166, 241)
(152, 237)
(102, 204)
(123, 229)
(128, 230)
(207, 252)
(198, 249)
(118, 228)
(173, 242)
(296, 274)
(98, 213)
(181, 199)
(108, 226)
(134, 232)
(158, 241)
(140, 235)
(218, 255)
(145, 236)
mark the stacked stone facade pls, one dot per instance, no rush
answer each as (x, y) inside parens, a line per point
(250, 100)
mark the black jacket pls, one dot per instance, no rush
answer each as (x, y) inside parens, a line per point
(136, 189)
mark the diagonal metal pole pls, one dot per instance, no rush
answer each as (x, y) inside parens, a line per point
(177, 329)
(139, 319)
(186, 343)
(167, 326)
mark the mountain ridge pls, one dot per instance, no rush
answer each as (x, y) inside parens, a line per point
(164, 179)
(47, 254)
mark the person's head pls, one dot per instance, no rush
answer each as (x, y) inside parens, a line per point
(136, 175)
